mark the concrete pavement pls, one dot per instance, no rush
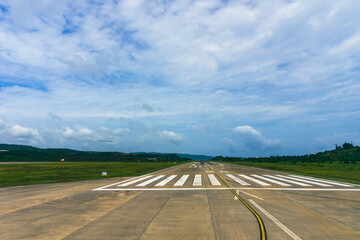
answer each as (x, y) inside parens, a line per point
(189, 201)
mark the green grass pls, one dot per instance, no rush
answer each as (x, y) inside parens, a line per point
(334, 171)
(35, 173)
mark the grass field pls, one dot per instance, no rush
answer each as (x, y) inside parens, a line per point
(334, 171)
(34, 173)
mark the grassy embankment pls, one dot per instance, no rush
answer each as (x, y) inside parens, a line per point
(34, 173)
(333, 171)
(341, 163)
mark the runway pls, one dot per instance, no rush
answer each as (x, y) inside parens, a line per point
(189, 201)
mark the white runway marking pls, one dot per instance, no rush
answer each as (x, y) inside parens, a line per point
(287, 180)
(324, 181)
(134, 181)
(165, 181)
(238, 191)
(213, 180)
(101, 188)
(284, 181)
(181, 181)
(197, 180)
(222, 188)
(277, 222)
(124, 181)
(255, 180)
(272, 180)
(150, 181)
(306, 181)
(238, 180)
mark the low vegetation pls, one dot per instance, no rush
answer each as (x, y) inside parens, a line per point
(342, 163)
(33, 173)
(334, 171)
(345, 154)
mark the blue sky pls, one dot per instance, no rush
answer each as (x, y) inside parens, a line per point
(234, 78)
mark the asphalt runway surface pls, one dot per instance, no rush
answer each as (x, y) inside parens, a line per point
(189, 201)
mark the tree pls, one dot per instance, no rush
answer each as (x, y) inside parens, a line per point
(347, 145)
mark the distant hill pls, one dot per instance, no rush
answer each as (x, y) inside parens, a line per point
(23, 153)
(16, 147)
(346, 153)
(195, 157)
(182, 155)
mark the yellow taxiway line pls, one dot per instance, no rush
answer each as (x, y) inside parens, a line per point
(258, 218)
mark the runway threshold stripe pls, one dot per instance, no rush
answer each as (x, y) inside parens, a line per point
(181, 181)
(323, 181)
(117, 183)
(197, 180)
(255, 180)
(277, 222)
(287, 180)
(134, 181)
(165, 181)
(213, 180)
(306, 181)
(150, 181)
(272, 180)
(241, 189)
(238, 180)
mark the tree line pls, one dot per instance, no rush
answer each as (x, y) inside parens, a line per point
(21, 153)
(346, 153)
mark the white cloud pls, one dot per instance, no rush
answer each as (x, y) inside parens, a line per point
(85, 134)
(254, 139)
(210, 62)
(19, 131)
(68, 132)
(172, 137)
(247, 130)
(122, 131)
(84, 131)
(15, 132)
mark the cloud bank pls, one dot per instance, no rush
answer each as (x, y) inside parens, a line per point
(252, 138)
(74, 72)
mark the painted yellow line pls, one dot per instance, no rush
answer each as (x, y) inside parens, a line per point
(258, 218)
(277, 222)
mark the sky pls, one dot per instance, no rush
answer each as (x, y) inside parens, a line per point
(231, 78)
